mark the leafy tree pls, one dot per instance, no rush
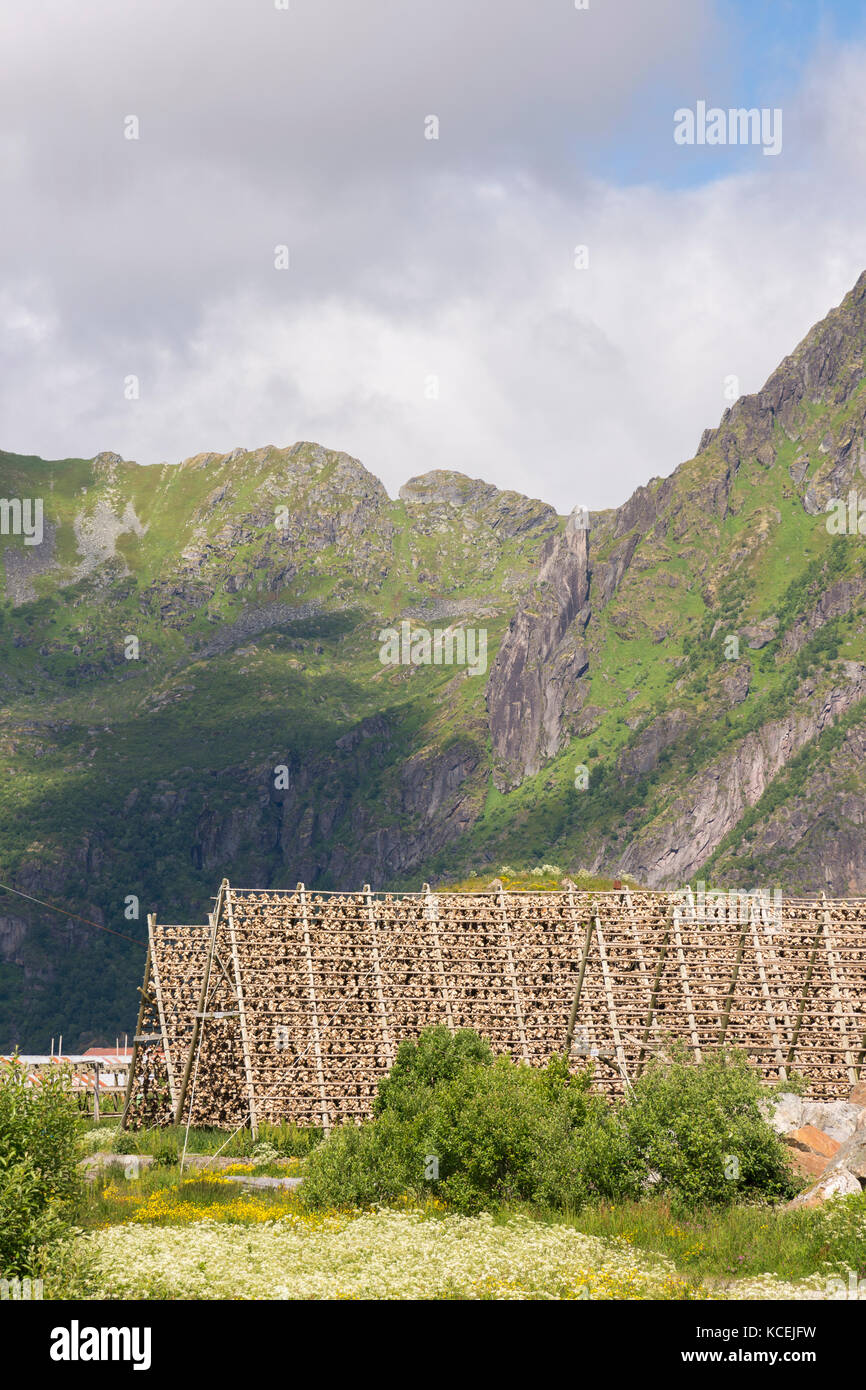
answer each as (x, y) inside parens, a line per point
(39, 1180)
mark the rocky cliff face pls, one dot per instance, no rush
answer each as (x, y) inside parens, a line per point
(533, 682)
(672, 849)
(203, 644)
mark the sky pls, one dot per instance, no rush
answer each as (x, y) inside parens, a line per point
(433, 311)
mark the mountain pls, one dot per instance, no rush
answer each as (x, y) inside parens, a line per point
(228, 667)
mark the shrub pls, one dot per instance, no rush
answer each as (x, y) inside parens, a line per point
(700, 1130)
(452, 1121)
(39, 1180)
(436, 1057)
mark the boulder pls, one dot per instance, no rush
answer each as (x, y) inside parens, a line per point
(852, 1155)
(812, 1140)
(806, 1164)
(785, 1112)
(133, 1165)
(838, 1118)
(835, 1182)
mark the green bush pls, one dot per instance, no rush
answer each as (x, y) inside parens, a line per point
(39, 1179)
(436, 1057)
(452, 1121)
(700, 1132)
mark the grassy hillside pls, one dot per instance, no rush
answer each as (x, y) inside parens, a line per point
(192, 683)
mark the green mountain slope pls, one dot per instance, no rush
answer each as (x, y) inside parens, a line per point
(192, 683)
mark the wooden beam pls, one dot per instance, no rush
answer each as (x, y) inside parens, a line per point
(154, 958)
(202, 1004)
(732, 988)
(660, 965)
(765, 989)
(687, 993)
(518, 1007)
(431, 915)
(641, 959)
(813, 956)
(619, 1051)
(377, 974)
(575, 1005)
(781, 993)
(242, 1017)
(314, 1010)
(135, 1044)
(835, 992)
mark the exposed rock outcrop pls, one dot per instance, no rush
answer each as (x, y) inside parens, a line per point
(672, 849)
(541, 657)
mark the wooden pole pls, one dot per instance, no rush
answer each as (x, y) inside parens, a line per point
(138, 1027)
(765, 990)
(387, 1041)
(96, 1093)
(157, 992)
(686, 987)
(431, 916)
(803, 994)
(314, 1009)
(835, 991)
(242, 1019)
(202, 1003)
(653, 1001)
(619, 1050)
(512, 974)
(572, 1020)
(732, 988)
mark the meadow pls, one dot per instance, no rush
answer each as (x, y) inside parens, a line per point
(540, 1191)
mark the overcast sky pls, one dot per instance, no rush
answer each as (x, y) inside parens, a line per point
(416, 265)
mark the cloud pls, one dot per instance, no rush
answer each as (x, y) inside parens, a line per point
(409, 259)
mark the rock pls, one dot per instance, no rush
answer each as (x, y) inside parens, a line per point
(736, 686)
(133, 1165)
(836, 1182)
(812, 1140)
(807, 1165)
(671, 849)
(857, 1095)
(540, 660)
(852, 1155)
(432, 499)
(785, 1112)
(837, 1118)
(643, 757)
(757, 635)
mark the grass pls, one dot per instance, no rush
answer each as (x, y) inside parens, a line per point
(741, 1241)
(163, 1198)
(166, 1236)
(384, 1254)
(284, 1140)
(649, 1248)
